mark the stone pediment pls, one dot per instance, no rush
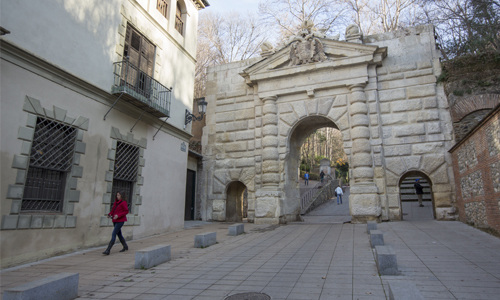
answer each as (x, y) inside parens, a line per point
(339, 54)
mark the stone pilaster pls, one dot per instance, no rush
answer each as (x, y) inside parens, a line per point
(270, 155)
(364, 200)
(267, 198)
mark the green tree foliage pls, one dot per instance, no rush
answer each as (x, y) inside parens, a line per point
(322, 143)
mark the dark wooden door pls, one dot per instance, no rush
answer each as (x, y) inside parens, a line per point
(139, 50)
(190, 195)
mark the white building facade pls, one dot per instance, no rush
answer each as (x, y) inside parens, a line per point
(93, 101)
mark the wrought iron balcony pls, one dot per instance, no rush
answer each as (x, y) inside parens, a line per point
(140, 89)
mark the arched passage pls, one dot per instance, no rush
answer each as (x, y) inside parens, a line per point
(235, 211)
(410, 209)
(299, 132)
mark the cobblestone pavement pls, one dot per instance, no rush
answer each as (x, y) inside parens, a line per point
(446, 260)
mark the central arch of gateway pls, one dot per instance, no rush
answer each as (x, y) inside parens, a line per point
(379, 91)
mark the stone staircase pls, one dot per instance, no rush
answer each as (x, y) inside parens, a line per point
(408, 190)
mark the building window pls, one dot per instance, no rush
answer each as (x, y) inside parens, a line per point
(51, 158)
(125, 170)
(161, 6)
(179, 25)
(139, 53)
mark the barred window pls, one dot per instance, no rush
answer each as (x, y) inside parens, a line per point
(179, 24)
(51, 159)
(125, 171)
(161, 6)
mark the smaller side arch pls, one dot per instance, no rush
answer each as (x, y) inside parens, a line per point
(470, 104)
(235, 201)
(408, 199)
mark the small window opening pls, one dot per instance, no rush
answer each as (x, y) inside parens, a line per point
(179, 25)
(161, 6)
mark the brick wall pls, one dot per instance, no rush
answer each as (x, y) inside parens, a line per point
(476, 165)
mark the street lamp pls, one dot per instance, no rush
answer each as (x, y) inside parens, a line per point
(202, 108)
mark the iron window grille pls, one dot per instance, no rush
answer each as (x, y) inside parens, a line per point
(179, 25)
(125, 170)
(161, 6)
(51, 158)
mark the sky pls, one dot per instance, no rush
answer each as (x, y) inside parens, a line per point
(241, 6)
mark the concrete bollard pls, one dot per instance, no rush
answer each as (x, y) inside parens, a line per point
(387, 263)
(371, 225)
(205, 239)
(152, 256)
(404, 290)
(376, 238)
(236, 229)
(63, 286)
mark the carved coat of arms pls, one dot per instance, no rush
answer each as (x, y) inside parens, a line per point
(306, 46)
(307, 51)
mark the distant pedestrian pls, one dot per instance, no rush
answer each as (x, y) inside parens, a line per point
(419, 190)
(321, 176)
(306, 178)
(119, 216)
(339, 193)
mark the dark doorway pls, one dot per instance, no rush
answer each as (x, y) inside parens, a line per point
(190, 195)
(234, 204)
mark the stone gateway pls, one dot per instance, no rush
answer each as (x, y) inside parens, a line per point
(380, 91)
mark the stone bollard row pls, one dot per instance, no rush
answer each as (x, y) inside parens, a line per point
(371, 225)
(236, 229)
(205, 239)
(63, 286)
(385, 256)
(404, 290)
(376, 238)
(387, 263)
(152, 256)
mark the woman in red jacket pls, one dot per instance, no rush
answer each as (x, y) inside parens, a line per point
(119, 215)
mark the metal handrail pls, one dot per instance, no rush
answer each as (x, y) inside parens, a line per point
(142, 86)
(308, 198)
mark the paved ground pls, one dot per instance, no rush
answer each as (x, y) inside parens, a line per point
(411, 211)
(308, 260)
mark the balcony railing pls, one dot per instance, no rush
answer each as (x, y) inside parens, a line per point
(195, 146)
(142, 90)
(179, 24)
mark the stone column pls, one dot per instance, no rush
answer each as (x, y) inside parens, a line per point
(364, 201)
(267, 198)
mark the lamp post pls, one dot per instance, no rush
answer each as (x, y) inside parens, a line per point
(202, 108)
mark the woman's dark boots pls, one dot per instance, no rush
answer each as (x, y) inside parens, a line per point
(125, 247)
(106, 252)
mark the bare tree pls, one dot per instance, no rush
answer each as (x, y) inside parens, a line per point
(223, 38)
(363, 16)
(287, 15)
(465, 26)
(396, 14)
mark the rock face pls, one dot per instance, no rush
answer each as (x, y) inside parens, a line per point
(379, 91)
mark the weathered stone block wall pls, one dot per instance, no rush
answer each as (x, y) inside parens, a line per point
(476, 160)
(413, 117)
(229, 138)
